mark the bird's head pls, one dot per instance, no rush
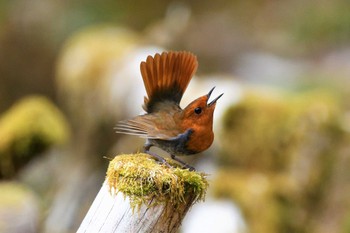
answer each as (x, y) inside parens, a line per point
(199, 113)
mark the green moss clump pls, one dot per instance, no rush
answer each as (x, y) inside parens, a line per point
(140, 178)
(265, 132)
(26, 129)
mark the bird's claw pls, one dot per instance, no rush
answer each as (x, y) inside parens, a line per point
(185, 165)
(163, 161)
(159, 158)
(190, 168)
(166, 163)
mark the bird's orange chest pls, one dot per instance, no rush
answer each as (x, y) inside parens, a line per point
(200, 139)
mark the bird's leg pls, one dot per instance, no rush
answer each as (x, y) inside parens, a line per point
(147, 148)
(183, 163)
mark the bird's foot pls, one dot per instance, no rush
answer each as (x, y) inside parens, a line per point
(185, 165)
(159, 158)
(190, 168)
(147, 147)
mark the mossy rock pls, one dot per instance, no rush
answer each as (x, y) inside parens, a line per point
(28, 128)
(142, 179)
(265, 132)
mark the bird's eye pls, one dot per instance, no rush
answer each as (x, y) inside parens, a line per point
(198, 110)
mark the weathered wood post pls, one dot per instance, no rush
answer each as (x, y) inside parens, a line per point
(140, 195)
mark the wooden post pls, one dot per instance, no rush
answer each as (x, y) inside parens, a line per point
(139, 195)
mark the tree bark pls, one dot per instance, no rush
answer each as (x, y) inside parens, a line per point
(113, 213)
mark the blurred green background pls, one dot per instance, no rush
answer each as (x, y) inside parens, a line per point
(69, 71)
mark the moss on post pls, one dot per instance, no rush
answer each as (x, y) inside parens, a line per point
(161, 195)
(142, 179)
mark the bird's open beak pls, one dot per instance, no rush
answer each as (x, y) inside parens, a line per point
(214, 100)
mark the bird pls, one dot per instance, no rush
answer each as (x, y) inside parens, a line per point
(177, 131)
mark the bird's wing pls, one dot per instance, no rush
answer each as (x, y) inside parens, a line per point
(149, 126)
(166, 77)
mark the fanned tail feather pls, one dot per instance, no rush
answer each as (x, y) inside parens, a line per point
(166, 77)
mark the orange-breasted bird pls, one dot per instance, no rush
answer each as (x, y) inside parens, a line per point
(166, 125)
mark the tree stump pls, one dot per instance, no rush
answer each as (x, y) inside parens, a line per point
(140, 195)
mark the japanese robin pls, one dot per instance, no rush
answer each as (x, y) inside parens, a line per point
(166, 125)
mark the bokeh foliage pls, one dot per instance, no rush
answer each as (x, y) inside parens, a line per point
(27, 129)
(279, 158)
